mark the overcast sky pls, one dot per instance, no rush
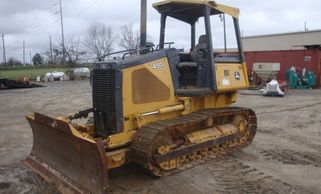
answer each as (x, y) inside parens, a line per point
(33, 21)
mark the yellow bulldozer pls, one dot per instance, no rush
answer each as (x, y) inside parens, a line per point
(161, 108)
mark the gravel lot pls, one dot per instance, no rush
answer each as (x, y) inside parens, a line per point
(285, 156)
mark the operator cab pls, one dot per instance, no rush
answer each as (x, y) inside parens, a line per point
(197, 68)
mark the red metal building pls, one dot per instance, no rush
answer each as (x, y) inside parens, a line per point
(309, 59)
(299, 49)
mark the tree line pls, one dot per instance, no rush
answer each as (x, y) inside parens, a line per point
(95, 45)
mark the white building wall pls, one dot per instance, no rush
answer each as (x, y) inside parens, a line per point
(287, 41)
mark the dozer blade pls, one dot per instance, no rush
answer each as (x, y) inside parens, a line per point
(71, 163)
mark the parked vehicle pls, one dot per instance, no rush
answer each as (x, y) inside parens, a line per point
(78, 73)
(55, 75)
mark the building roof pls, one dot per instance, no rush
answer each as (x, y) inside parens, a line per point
(282, 34)
(283, 41)
(190, 10)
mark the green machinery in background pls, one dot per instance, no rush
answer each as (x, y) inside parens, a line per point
(304, 80)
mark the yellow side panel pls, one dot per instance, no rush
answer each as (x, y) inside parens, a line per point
(132, 102)
(145, 83)
(231, 77)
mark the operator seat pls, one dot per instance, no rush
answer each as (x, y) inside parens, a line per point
(189, 69)
(197, 53)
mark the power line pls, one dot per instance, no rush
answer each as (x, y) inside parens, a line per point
(37, 22)
(87, 8)
(67, 4)
(82, 11)
(52, 5)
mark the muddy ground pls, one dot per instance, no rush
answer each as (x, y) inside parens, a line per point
(285, 156)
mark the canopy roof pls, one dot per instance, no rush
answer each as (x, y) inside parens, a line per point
(190, 10)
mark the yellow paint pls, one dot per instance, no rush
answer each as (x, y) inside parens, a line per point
(230, 77)
(163, 74)
(226, 94)
(168, 109)
(232, 11)
(116, 158)
(211, 133)
(120, 139)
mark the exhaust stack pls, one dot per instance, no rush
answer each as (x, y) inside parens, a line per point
(143, 23)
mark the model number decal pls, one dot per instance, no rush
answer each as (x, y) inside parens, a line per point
(158, 65)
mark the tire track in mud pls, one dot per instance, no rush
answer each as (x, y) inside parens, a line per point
(274, 109)
(233, 176)
(292, 157)
(303, 141)
(227, 173)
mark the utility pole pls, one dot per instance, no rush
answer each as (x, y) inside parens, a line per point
(62, 33)
(143, 22)
(24, 53)
(4, 50)
(30, 58)
(51, 58)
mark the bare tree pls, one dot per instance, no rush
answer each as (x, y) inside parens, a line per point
(99, 40)
(57, 58)
(73, 51)
(48, 59)
(128, 38)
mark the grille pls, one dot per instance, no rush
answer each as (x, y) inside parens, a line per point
(104, 86)
(188, 76)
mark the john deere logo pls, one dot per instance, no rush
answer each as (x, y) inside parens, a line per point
(237, 75)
